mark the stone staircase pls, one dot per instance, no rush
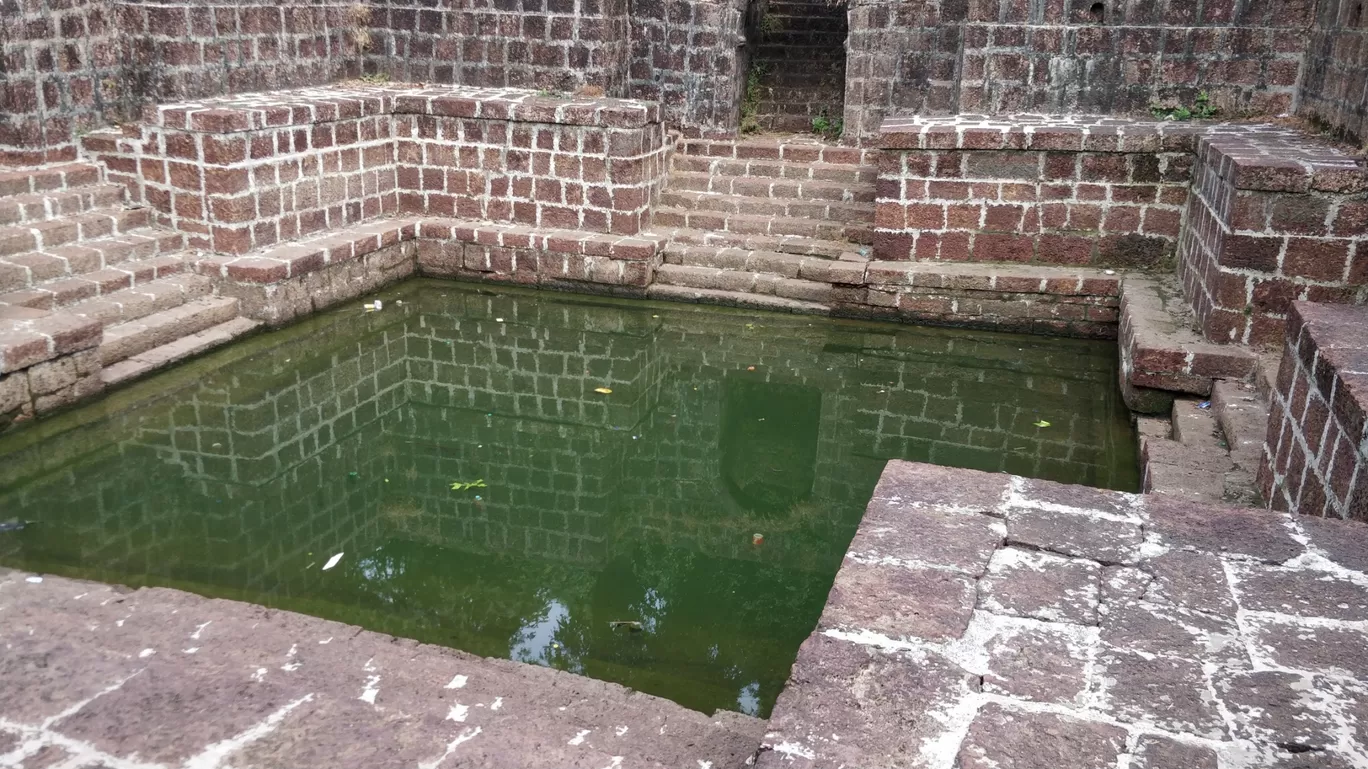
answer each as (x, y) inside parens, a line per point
(770, 223)
(74, 255)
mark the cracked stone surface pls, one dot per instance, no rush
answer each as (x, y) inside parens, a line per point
(1103, 630)
(98, 676)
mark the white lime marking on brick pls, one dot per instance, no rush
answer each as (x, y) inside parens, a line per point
(463, 737)
(457, 682)
(458, 713)
(195, 635)
(578, 739)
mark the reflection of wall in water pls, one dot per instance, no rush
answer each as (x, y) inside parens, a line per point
(436, 381)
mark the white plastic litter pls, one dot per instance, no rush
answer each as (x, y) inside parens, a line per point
(332, 562)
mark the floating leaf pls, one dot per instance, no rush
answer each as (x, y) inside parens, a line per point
(1041, 423)
(467, 485)
(604, 390)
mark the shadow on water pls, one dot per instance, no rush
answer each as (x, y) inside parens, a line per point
(606, 533)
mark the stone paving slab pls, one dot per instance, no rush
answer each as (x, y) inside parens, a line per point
(98, 676)
(986, 621)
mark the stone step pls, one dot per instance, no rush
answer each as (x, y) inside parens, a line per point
(91, 225)
(125, 340)
(815, 210)
(774, 226)
(1242, 414)
(177, 350)
(1161, 355)
(47, 178)
(843, 173)
(1177, 469)
(1194, 424)
(733, 299)
(778, 264)
(91, 260)
(830, 249)
(790, 149)
(768, 187)
(33, 207)
(738, 281)
(145, 298)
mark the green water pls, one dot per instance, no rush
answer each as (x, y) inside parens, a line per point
(241, 474)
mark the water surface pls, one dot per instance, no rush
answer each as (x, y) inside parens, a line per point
(241, 474)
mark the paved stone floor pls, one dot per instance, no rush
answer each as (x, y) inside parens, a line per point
(97, 676)
(984, 621)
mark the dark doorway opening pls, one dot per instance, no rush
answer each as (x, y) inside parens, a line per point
(797, 67)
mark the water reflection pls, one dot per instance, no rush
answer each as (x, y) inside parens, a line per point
(242, 474)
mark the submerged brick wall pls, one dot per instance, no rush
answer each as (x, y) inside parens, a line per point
(1335, 85)
(1315, 459)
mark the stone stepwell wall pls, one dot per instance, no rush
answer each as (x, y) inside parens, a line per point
(70, 65)
(244, 173)
(1315, 458)
(1254, 215)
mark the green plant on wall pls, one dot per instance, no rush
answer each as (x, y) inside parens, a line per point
(826, 127)
(750, 101)
(1200, 109)
(769, 25)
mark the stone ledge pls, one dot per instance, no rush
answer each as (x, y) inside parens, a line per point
(309, 106)
(1259, 156)
(1047, 616)
(1158, 352)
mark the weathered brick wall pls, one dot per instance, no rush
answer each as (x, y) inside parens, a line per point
(1274, 217)
(687, 55)
(1074, 56)
(1334, 87)
(798, 52)
(57, 61)
(557, 45)
(70, 66)
(1085, 191)
(244, 173)
(1315, 459)
(174, 50)
(591, 164)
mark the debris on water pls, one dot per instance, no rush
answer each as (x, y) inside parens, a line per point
(14, 525)
(1204, 405)
(498, 320)
(630, 625)
(604, 390)
(332, 562)
(750, 368)
(757, 539)
(373, 306)
(467, 485)
(353, 474)
(1041, 423)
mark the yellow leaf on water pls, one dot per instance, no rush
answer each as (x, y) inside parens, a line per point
(604, 390)
(1042, 423)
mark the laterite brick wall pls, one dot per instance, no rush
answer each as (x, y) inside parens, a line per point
(1315, 458)
(557, 45)
(1334, 86)
(239, 174)
(1089, 191)
(1274, 218)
